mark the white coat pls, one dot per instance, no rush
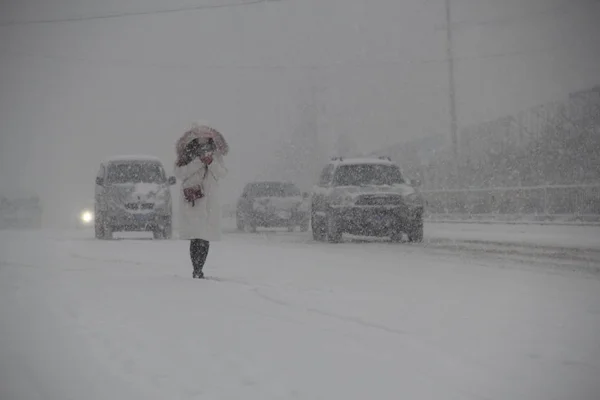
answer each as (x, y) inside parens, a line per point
(203, 219)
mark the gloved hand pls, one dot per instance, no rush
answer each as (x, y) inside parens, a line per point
(192, 194)
(207, 159)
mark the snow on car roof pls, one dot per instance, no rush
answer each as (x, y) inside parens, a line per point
(133, 158)
(364, 160)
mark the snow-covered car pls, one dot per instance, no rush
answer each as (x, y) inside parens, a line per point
(20, 212)
(365, 197)
(272, 205)
(133, 194)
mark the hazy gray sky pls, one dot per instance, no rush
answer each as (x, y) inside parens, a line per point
(73, 93)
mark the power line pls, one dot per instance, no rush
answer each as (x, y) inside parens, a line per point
(336, 65)
(136, 13)
(502, 20)
(451, 85)
(562, 8)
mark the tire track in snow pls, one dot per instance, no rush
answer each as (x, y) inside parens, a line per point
(532, 258)
(417, 346)
(449, 359)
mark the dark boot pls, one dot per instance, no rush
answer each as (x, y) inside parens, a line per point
(198, 254)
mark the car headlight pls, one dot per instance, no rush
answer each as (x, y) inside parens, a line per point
(86, 216)
(302, 206)
(414, 199)
(162, 199)
(343, 200)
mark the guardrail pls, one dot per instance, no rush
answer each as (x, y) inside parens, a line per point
(535, 201)
(570, 204)
(558, 219)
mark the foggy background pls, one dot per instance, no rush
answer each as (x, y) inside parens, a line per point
(288, 82)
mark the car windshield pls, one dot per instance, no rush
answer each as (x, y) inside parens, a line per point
(367, 174)
(273, 189)
(135, 173)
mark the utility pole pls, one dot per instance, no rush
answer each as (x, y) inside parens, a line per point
(451, 87)
(304, 150)
(313, 124)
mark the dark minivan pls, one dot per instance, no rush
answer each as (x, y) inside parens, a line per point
(272, 205)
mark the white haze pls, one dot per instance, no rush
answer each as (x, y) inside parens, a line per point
(369, 71)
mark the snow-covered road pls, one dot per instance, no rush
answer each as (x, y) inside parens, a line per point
(289, 318)
(565, 236)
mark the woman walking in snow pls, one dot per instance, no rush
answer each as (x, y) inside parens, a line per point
(199, 167)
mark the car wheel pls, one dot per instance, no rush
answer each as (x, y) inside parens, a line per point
(169, 231)
(250, 224)
(107, 232)
(396, 236)
(239, 222)
(318, 230)
(163, 232)
(102, 230)
(98, 228)
(304, 226)
(415, 234)
(334, 233)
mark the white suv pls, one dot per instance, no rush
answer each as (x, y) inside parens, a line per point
(366, 197)
(133, 194)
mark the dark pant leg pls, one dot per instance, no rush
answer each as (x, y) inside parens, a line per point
(204, 246)
(198, 253)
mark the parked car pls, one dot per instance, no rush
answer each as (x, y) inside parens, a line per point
(271, 205)
(20, 212)
(365, 197)
(133, 194)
